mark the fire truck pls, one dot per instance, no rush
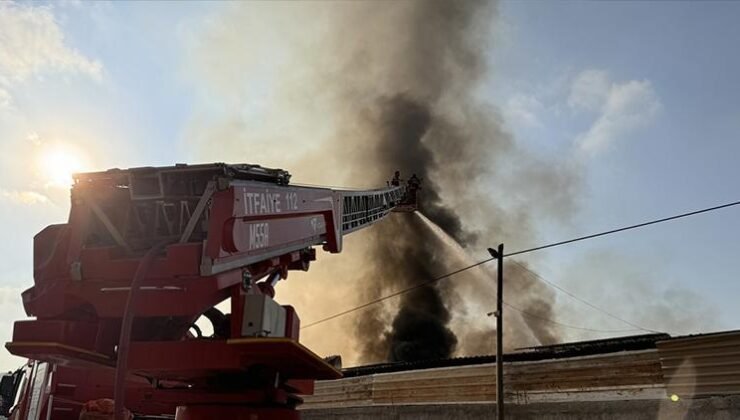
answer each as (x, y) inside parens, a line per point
(146, 253)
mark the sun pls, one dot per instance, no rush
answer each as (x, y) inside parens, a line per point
(57, 163)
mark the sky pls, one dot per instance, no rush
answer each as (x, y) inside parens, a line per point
(639, 98)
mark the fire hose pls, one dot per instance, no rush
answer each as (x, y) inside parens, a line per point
(119, 393)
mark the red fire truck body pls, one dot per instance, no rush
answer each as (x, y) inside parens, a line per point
(145, 253)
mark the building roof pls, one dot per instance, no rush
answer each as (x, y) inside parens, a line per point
(554, 351)
(641, 367)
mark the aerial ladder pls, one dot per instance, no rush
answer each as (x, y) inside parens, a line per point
(148, 251)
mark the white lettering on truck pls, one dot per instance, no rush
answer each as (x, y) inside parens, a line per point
(259, 235)
(261, 203)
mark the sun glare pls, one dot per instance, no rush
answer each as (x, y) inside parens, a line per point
(57, 164)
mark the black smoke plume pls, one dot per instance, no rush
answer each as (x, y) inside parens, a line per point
(364, 89)
(405, 251)
(412, 134)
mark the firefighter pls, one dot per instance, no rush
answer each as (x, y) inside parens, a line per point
(413, 185)
(396, 181)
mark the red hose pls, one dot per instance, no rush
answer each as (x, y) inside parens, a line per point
(119, 393)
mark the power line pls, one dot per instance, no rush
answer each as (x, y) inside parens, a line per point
(400, 292)
(531, 315)
(524, 251)
(585, 302)
(622, 229)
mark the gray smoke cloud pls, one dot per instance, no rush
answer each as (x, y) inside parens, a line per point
(606, 276)
(346, 93)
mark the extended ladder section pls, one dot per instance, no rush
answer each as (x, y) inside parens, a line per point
(242, 214)
(362, 208)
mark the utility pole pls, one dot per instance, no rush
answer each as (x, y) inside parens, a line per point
(498, 254)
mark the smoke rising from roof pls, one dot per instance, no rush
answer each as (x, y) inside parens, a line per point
(355, 91)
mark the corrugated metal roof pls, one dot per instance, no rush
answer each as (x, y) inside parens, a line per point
(701, 365)
(555, 351)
